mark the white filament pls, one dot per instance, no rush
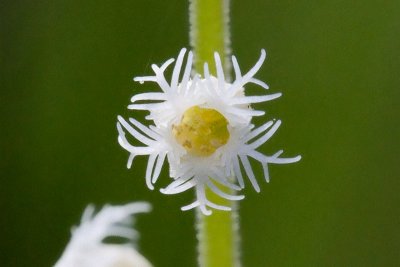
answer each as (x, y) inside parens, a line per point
(166, 108)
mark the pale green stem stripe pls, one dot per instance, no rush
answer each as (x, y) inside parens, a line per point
(209, 32)
(218, 234)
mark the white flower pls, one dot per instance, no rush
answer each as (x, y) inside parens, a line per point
(202, 125)
(86, 247)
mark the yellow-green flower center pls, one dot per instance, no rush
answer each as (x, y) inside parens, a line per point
(201, 131)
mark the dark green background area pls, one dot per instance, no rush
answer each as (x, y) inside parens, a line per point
(66, 71)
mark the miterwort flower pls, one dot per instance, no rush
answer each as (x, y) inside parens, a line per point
(87, 248)
(202, 126)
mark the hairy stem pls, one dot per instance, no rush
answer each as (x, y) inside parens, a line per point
(218, 234)
(209, 32)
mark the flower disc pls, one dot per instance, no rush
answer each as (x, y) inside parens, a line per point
(201, 131)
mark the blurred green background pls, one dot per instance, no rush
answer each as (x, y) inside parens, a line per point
(66, 73)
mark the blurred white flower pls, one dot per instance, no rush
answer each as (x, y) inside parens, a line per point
(202, 126)
(87, 248)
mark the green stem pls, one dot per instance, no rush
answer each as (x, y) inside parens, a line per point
(209, 32)
(218, 234)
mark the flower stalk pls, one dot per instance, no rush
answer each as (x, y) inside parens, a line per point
(200, 124)
(218, 234)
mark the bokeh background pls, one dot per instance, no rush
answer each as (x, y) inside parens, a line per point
(66, 71)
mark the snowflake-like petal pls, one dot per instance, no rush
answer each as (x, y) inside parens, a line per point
(202, 126)
(87, 247)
